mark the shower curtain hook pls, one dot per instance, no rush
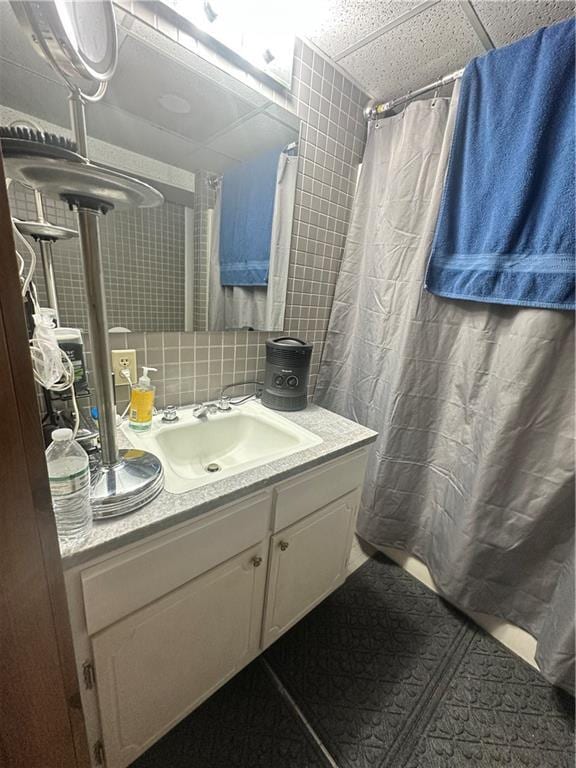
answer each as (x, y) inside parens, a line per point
(436, 92)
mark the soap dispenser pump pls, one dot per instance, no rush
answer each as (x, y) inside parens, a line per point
(142, 402)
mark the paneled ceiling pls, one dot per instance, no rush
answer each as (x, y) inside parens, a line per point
(393, 46)
(389, 47)
(221, 122)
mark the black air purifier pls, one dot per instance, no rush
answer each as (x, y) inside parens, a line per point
(286, 377)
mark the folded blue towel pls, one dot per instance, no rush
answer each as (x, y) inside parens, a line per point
(246, 220)
(505, 231)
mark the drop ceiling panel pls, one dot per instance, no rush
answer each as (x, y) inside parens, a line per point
(33, 94)
(124, 130)
(144, 75)
(48, 103)
(208, 159)
(257, 134)
(509, 20)
(427, 46)
(283, 116)
(185, 52)
(347, 21)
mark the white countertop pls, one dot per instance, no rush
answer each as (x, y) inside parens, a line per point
(339, 436)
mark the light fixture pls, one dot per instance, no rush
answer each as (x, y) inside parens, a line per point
(258, 32)
(173, 103)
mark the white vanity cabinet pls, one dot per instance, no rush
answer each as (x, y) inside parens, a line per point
(308, 560)
(159, 663)
(160, 624)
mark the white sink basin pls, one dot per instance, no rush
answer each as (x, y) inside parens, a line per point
(227, 443)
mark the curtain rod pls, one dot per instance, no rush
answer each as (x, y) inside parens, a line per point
(373, 111)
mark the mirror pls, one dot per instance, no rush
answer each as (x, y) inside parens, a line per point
(215, 255)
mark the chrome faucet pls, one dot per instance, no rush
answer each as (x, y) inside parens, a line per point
(200, 411)
(212, 406)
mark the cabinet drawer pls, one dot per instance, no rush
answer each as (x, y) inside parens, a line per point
(301, 496)
(125, 583)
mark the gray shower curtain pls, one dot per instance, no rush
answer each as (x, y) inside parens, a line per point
(260, 308)
(473, 469)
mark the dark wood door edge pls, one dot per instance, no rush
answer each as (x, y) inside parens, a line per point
(30, 565)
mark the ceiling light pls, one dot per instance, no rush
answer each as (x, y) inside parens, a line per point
(173, 103)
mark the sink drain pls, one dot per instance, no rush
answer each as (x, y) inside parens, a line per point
(213, 467)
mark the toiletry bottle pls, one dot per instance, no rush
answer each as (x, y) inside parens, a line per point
(69, 475)
(142, 402)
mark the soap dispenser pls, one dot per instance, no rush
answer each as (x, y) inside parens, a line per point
(142, 402)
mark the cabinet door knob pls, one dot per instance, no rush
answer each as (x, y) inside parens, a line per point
(284, 545)
(256, 561)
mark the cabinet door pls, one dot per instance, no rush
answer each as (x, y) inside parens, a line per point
(307, 561)
(156, 665)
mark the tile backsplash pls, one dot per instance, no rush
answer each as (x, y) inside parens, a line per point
(193, 367)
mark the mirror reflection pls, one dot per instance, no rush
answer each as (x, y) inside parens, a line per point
(215, 255)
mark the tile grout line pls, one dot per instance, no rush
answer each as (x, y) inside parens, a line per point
(299, 714)
(388, 27)
(404, 747)
(476, 23)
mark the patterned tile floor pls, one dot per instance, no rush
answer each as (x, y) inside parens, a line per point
(383, 674)
(246, 723)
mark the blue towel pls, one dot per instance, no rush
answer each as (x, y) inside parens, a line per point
(505, 231)
(246, 220)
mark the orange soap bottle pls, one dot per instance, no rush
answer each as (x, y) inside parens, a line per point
(142, 402)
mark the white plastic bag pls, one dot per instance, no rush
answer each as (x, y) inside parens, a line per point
(46, 354)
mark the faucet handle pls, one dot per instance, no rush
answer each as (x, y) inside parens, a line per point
(170, 415)
(224, 403)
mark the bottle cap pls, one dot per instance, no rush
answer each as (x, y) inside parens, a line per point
(62, 434)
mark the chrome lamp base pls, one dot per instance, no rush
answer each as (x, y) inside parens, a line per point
(124, 487)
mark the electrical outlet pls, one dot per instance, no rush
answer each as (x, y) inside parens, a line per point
(121, 359)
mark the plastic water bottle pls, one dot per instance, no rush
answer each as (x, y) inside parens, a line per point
(69, 474)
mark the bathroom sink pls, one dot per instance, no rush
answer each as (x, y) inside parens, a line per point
(196, 452)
